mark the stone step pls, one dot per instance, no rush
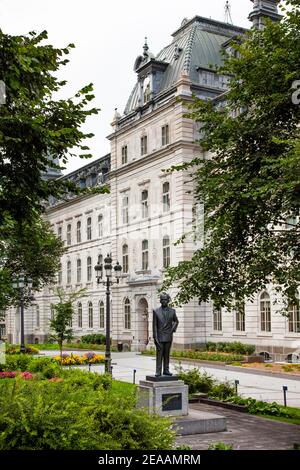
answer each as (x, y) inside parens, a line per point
(199, 422)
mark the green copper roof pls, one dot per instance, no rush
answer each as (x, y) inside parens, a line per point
(196, 44)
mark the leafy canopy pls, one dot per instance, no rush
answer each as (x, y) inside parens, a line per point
(248, 176)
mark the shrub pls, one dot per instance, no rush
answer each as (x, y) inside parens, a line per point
(231, 347)
(46, 367)
(220, 446)
(74, 415)
(16, 362)
(196, 381)
(222, 390)
(94, 339)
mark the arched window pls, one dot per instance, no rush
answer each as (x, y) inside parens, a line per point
(166, 197)
(89, 269)
(166, 251)
(69, 238)
(79, 315)
(69, 272)
(101, 315)
(90, 314)
(37, 316)
(125, 258)
(127, 314)
(265, 312)
(240, 317)
(100, 259)
(144, 204)
(294, 318)
(145, 255)
(79, 270)
(89, 228)
(100, 225)
(217, 319)
(78, 231)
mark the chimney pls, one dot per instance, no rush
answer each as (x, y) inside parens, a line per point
(264, 9)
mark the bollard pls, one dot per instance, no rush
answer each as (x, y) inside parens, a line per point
(236, 383)
(89, 367)
(134, 372)
(285, 389)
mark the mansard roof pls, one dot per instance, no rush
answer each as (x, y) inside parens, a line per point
(196, 44)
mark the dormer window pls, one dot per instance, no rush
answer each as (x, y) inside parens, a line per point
(146, 90)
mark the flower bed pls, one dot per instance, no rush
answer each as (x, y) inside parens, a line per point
(11, 349)
(77, 360)
(14, 374)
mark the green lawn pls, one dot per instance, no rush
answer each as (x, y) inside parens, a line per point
(281, 418)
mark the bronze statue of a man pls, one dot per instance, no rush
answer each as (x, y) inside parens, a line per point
(165, 323)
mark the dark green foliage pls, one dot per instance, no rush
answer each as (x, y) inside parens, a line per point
(222, 390)
(205, 383)
(247, 174)
(220, 446)
(234, 347)
(16, 362)
(93, 339)
(206, 356)
(45, 367)
(77, 413)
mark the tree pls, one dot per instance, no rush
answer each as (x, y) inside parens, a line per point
(249, 176)
(62, 318)
(34, 126)
(30, 248)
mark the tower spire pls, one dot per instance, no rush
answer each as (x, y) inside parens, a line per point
(264, 9)
(146, 48)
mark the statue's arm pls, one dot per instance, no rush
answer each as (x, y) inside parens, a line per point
(175, 322)
(155, 333)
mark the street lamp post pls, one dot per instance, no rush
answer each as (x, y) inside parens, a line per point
(22, 284)
(108, 268)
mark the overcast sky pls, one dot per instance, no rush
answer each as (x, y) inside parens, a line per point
(108, 35)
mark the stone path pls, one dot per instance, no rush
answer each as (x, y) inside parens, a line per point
(245, 432)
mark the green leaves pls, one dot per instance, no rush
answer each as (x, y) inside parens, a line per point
(250, 182)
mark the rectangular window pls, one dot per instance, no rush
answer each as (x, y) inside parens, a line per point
(59, 232)
(240, 318)
(78, 232)
(125, 202)
(124, 155)
(89, 228)
(217, 319)
(294, 319)
(144, 204)
(165, 135)
(69, 231)
(166, 197)
(145, 255)
(144, 145)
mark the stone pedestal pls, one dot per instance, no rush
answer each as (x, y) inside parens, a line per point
(166, 396)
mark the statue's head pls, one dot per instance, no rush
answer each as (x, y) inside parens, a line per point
(164, 299)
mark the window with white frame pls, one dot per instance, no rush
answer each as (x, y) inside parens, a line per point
(127, 314)
(166, 251)
(100, 259)
(78, 273)
(59, 232)
(125, 208)
(217, 319)
(294, 318)
(89, 269)
(240, 317)
(69, 272)
(124, 154)
(144, 145)
(79, 315)
(101, 315)
(90, 315)
(125, 263)
(100, 225)
(52, 312)
(89, 228)
(144, 204)
(69, 234)
(265, 312)
(166, 196)
(78, 231)
(145, 255)
(165, 135)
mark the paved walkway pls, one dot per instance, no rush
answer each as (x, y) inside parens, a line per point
(261, 387)
(245, 432)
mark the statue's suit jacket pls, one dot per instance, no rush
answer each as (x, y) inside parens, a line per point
(164, 327)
